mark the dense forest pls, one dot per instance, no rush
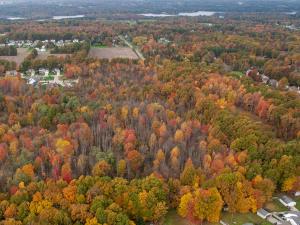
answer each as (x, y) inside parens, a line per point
(182, 129)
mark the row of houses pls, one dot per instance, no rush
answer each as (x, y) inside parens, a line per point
(291, 217)
(272, 82)
(32, 72)
(42, 76)
(43, 72)
(34, 44)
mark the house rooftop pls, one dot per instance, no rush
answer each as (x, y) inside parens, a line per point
(287, 199)
(263, 212)
(293, 217)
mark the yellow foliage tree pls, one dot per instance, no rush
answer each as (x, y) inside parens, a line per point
(288, 184)
(178, 137)
(92, 221)
(69, 193)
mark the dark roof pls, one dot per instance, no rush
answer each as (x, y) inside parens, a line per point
(286, 199)
(263, 212)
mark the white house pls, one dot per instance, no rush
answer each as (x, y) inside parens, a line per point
(263, 213)
(56, 71)
(273, 83)
(31, 72)
(265, 79)
(292, 217)
(31, 81)
(43, 71)
(11, 73)
(286, 201)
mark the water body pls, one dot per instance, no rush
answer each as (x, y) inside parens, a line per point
(291, 13)
(156, 15)
(67, 17)
(16, 18)
(198, 13)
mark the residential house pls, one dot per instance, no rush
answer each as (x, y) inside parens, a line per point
(11, 43)
(265, 79)
(11, 73)
(56, 71)
(31, 81)
(164, 41)
(292, 217)
(263, 213)
(273, 83)
(223, 223)
(43, 72)
(31, 72)
(60, 43)
(294, 88)
(286, 201)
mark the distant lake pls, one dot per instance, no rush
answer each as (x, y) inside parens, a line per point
(67, 17)
(15, 18)
(291, 13)
(198, 13)
(156, 15)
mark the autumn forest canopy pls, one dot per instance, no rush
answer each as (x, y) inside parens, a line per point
(191, 125)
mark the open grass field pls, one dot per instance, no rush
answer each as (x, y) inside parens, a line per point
(19, 58)
(275, 206)
(111, 53)
(242, 218)
(297, 199)
(237, 74)
(172, 218)
(99, 46)
(45, 55)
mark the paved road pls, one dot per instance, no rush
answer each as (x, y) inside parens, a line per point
(135, 49)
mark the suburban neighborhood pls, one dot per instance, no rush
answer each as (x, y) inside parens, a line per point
(271, 214)
(272, 82)
(39, 45)
(44, 77)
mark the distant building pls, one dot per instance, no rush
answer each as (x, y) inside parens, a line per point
(263, 213)
(293, 88)
(11, 73)
(31, 81)
(273, 83)
(31, 72)
(286, 201)
(164, 41)
(265, 79)
(43, 72)
(56, 71)
(293, 217)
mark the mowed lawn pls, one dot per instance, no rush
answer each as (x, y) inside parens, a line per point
(172, 218)
(275, 206)
(242, 218)
(297, 199)
(45, 55)
(19, 58)
(112, 53)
